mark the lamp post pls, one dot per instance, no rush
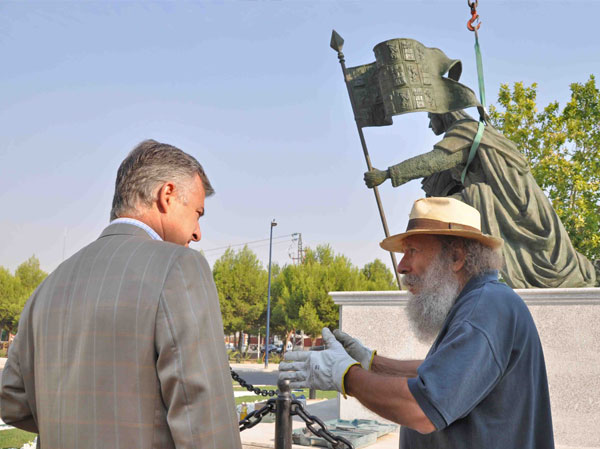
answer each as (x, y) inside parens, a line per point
(273, 224)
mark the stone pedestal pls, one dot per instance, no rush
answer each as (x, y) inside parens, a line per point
(568, 321)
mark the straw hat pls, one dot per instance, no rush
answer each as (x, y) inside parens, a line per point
(442, 216)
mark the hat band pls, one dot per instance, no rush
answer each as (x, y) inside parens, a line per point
(428, 223)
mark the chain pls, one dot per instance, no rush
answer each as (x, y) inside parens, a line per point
(336, 441)
(297, 409)
(235, 376)
(256, 416)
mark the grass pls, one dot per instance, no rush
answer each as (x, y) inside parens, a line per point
(240, 399)
(15, 438)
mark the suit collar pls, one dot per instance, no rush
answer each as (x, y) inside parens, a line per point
(124, 229)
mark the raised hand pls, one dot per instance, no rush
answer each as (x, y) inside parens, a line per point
(355, 348)
(321, 370)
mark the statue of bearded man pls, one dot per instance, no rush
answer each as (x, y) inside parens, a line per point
(498, 183)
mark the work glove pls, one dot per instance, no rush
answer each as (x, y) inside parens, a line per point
(356, 349)
(321, 370)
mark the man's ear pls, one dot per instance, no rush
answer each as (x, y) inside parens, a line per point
(165, 197)
(458, 257)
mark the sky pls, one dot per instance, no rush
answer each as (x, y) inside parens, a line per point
(253, 91)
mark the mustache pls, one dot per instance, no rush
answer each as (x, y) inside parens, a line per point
(411, 279)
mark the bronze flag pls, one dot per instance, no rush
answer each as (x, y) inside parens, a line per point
(407, 77)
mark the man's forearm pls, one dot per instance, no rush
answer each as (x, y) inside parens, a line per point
(388, 396)
(424, 165)
(404, 368)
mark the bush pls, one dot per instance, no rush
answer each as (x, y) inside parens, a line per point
(274, 358)
(237, 357)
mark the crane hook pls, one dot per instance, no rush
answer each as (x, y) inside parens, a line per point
(474, 16)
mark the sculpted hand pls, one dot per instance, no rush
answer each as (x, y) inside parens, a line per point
(355, 348)
(375, 177)
(321, 370)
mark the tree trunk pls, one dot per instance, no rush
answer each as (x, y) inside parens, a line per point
(287, 338)
(240, 341)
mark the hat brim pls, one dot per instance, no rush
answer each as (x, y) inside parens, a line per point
(395, 242)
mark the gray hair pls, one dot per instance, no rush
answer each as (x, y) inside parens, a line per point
(146, 169)
(479, 258)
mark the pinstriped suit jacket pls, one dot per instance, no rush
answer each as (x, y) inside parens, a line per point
(122, 347)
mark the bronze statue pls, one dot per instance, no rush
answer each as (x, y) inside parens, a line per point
(498, 183)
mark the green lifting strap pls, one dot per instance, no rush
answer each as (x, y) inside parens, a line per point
(481, 127)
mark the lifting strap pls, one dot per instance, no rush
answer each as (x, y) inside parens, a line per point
(482, 123)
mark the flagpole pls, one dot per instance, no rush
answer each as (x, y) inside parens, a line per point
(337, 43)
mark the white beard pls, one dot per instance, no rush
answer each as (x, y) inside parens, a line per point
(438, 290)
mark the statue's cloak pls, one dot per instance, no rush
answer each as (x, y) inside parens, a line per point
(537, 250)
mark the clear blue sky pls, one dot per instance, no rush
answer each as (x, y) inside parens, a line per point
(252, 89)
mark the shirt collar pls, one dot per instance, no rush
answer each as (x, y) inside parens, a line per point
(477, 281)
(132, 221)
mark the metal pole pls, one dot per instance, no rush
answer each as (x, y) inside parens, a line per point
(283, 417)
(337, 43)
(273, 224)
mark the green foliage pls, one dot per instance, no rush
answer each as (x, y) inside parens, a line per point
(15, 290)
(310, 322)
(306, 286)
(563, 149)
(237, 357)
(242, 286)
(301, 292)
(378, 277)
(15, 438)
(30, 274)
(275, 359)
(12, 299)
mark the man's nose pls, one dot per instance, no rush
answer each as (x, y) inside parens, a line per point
(403, 267)
(197, 234)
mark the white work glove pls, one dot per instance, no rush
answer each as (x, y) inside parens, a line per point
(321, 370)
(356, 349)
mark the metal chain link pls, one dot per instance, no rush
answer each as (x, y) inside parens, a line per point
(253, 418)
(310, 420)
(235, 376)
(297, 409)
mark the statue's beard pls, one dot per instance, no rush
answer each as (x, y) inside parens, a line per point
(438, 288)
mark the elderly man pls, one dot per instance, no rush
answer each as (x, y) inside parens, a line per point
(483, 383)
(122, 345)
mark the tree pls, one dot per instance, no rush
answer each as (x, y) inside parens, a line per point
(563, 149)
(12, 295)
(15, 290)
(310, 322)
(378, 276)
(30, 274)
(242, 287)
(301, 292)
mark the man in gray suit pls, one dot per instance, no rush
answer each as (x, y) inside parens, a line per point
(122, 345)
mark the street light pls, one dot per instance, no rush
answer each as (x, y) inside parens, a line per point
(273, 224)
